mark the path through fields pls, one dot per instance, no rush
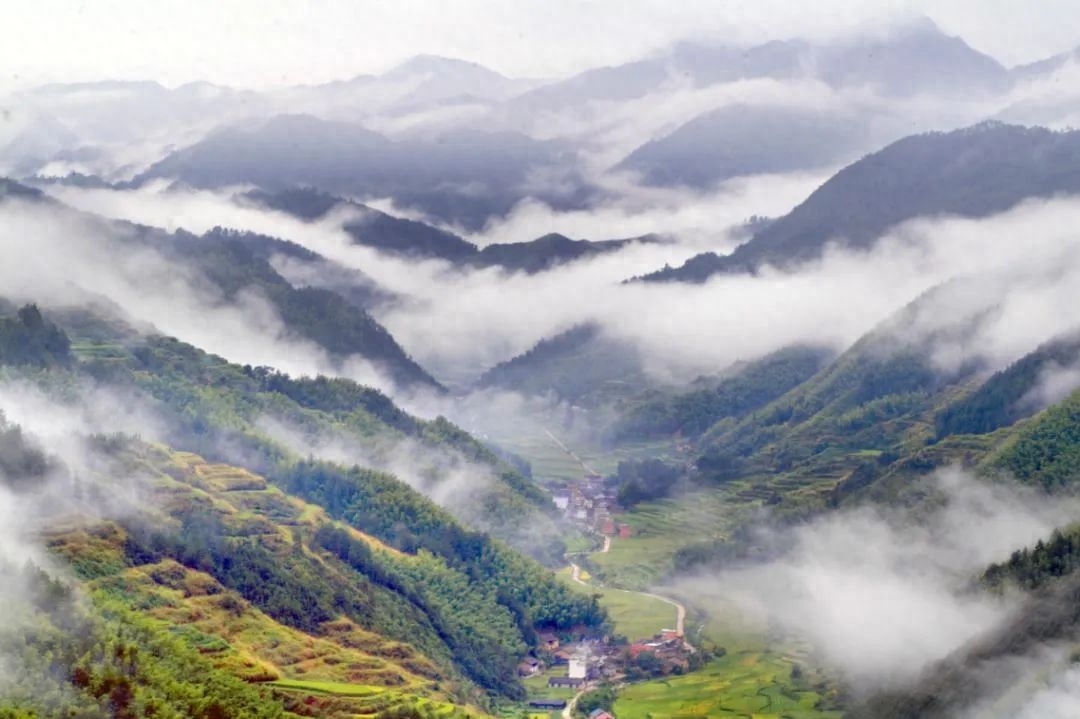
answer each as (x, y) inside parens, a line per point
(680, 608)
(570, 453)
(575, 570)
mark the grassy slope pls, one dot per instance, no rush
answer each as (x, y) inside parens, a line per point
(238, 637)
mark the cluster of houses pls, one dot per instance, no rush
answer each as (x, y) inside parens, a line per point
(588, 503)
(668, 646)
(578, 660)
(594, 661)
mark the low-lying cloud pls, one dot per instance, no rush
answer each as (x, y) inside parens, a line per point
(56, 257)
(459, 322)
(883, 596)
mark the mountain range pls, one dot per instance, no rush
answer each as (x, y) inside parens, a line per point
(289, 429)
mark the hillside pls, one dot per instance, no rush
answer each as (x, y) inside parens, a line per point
(290, 571)
(304, 268)
(416, 240)
(545, 253)
(237, 262)
(579, 365)
(739, 140)
(372, 228)
(745, 388)
(974, 172)
(345, 158)
(223, 266)
(1043, 453)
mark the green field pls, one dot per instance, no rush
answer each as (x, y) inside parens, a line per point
(659, 530)
(634, 615)
(637, 616)
(551, 464)
(745, 684)
(754, 678)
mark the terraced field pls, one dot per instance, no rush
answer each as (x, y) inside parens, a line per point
(744, 684)
(660, 529)
(364, 701)
(551, 463)
(344, 669)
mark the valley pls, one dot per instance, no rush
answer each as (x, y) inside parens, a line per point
(601, 360)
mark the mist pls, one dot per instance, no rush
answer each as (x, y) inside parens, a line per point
(61, 258)
(442, 474)
(466, 489)
(459, 322)
(881, 594)
(76, 486)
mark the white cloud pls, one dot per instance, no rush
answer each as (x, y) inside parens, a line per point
(881, 596)
(285, 41)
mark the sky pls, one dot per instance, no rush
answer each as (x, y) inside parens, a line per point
(268, 43)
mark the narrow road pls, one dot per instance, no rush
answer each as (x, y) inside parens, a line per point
(680, 608)
(570, 452)
(575, 570)
(569, 710)
(680, 611)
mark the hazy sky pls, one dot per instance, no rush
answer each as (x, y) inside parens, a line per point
(262, 43)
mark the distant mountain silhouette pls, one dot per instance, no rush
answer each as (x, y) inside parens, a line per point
(972, 172)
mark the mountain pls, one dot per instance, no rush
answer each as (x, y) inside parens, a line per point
(1014, 392)
(238, 265)
(462, 178)
(623, 82)
(304, 268)
(115, 128)
(372, 228)
(913, 58)
(974, 172)
(580, 365)
(881, 396)
(313, 313)
(905, 60)
(413, 239)
(10, 188)
(547, 252)
(1044, 67)
(435, 78)
(745, 140)
(746, 387)
(978, 675)
(417, 95)
(318, 584)
(982, 673)
(882, 408)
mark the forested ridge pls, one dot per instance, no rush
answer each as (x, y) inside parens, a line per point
(461, 607)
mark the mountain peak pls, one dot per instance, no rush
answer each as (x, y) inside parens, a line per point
(438, 64)
(919, 25)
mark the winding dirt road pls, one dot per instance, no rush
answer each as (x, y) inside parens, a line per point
(575, 570)
(680, 608)
(569, 710)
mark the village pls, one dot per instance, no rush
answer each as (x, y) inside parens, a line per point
(561, 670)
(565, 666)
(588, 504)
